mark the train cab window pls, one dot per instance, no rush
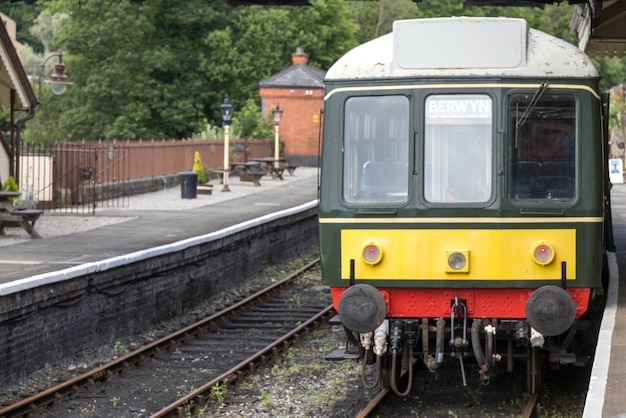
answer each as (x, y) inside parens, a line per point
(458, 149)
(376, 150)
(542, 148)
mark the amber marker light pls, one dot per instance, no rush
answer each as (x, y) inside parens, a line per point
(542, 253)
(371, 253)
(458, 261)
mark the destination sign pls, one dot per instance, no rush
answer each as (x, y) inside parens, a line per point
(458, 107)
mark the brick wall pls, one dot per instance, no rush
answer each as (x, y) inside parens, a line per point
(300, 126)
(52, 322)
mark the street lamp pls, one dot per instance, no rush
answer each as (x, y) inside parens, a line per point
(58, 80)
(58, 83)
(227, 114)
(277, 115)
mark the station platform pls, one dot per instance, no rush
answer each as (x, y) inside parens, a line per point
(147, 221)
(605, 397)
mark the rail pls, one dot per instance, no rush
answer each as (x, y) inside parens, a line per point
(201, 330)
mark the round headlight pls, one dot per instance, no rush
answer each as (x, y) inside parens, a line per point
(542, 253)
(457, 261)
(372, 254)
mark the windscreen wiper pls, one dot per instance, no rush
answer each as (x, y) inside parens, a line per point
(531, 105)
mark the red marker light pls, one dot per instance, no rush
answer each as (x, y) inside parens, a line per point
(542, 253)
(372, 254)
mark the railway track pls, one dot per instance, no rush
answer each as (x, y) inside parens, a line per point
(178, 374)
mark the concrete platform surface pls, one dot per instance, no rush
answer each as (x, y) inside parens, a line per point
(147, 221)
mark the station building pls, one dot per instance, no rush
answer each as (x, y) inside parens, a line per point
(299, 92)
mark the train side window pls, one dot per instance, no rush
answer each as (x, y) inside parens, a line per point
(376, 149)
(458, 148)
(542, 148)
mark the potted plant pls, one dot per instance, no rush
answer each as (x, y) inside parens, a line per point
(203, 186)
(26, 201)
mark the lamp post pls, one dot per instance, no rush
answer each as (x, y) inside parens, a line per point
(58, 84)
(58, 80)
(227, 114)
(277, 115)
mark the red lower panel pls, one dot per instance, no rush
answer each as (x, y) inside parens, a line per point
(481, 303)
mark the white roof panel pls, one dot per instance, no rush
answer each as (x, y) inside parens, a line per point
(460, 43)
(460, 47)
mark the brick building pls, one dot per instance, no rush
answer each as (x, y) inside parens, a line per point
(299, 91)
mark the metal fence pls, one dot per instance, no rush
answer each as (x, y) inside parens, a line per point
(78, 177)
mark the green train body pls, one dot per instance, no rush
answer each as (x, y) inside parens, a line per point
(463, 173)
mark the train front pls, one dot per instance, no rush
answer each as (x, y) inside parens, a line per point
(462, 192)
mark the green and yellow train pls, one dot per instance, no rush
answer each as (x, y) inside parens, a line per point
(464, 195)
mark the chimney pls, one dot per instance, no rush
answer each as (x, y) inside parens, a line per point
(299, 57)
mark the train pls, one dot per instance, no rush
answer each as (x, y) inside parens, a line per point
(464, 202)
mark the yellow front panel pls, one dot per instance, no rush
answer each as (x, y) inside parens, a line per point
(493, 254)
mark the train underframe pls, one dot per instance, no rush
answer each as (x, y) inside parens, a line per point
(397, 343)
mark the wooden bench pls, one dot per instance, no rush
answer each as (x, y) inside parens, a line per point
(250, 171)
(277, 172)
(25, 219)
(291, 168)
(219, 172)
(253, 176)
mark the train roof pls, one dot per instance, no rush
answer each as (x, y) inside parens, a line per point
(462, 47)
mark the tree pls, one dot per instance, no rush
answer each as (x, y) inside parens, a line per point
(135, 68)
(612, 69)
(249, 123)
(259, 41)
(159, 68)
(376, 18)
(325, 31)
(24, 15)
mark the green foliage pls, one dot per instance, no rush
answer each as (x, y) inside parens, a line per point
(267, 402)
(241, 54)
(218, 392)
(249, 123)
(617, 107)
(376, 18)
(10, 186)
(612, 69)
(209, 132)
(24, 15)
(120, 348)
(135, 68)
(259, 41)
(203, 178)
(5, 119)
(552, 19)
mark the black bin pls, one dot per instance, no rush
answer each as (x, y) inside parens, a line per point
(188, 183)
(255, 166)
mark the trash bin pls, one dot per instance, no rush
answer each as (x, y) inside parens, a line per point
(255, 166)
(188, 183)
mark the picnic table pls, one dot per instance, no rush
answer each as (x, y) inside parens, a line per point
(12, 217)
(275, 166)
(249, 171)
